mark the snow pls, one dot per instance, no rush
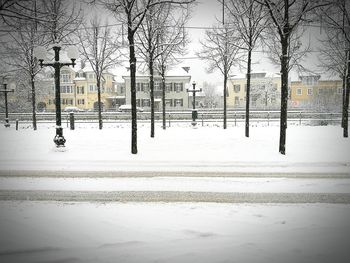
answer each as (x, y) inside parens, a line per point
(307, 222)
(182, 184)
(309, 149)
(149, 232)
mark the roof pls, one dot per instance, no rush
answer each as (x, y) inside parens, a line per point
(174, 72)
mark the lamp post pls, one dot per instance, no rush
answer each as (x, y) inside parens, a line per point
(72, 52)
(5, 91)
(194, 111)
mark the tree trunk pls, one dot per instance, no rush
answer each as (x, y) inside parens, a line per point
(151, 93)
(163, 100)
(284, 95)
(33, 104)
(99, 103)
(343, 95)
(132, 62)
(346, 101)
(248, 93)
(225, 98)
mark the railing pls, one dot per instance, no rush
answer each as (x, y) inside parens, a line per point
(322, 118)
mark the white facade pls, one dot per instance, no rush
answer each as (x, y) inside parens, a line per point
(176, 96)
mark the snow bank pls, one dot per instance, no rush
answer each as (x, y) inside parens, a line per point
(320, 149)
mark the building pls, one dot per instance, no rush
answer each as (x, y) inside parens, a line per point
(312, 92)
(176, 96)
(265, 91)
(78, 89)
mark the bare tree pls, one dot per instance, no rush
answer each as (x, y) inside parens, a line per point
(212, 96)
(22, 48)
(161, 35)
(24, 36)
(132, 13)
(286, 16)
(100, 47)
(12, 10)
(63, 17)
(335, 19)
(220, 49)
(54, 25)
(249, 19)
(173, 41)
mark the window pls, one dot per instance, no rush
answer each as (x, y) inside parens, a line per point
(169, 102)
(178, 102)
(138, 102)
(340, 90)
(92, 88)
(80, 90)
(168, 87)
(66, 89)
(309, 92)
(236, 101)
(81, 101)
(65, 77)
(273, 99)
(145, 87)
(299, 91)
(145, 103)
(142, 87)
(236, 88)
(91, 76)
(138, 86)
(178, 87)
(67, 101)
(156, 86)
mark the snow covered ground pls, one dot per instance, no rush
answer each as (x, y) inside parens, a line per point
(189, 195)
(310, 149)
(162, 232)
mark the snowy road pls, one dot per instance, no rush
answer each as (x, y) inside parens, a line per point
(177, 189)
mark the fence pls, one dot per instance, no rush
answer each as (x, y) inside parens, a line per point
(204, 116)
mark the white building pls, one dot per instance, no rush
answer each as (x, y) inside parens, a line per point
(176, 96)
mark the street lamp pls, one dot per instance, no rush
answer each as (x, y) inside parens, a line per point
(194, 111)
(40, 54)
(5, 91)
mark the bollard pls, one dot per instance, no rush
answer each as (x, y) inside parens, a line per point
(235, 119)
(169, 119)
(202, 120)
(300, 118)
(71, 120)
(268, 118)
(16, 124)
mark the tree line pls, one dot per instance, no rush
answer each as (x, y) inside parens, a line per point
(155, 31)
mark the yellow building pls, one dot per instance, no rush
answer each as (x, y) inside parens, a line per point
(79, 89)
(264, 93)
(310, 92)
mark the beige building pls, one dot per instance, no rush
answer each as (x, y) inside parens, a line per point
(312, 92)
(79, 89)
(264, 93)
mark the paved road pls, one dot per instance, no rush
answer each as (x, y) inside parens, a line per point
(173, 196)
(93, 174)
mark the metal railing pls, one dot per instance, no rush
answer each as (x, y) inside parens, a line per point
(181, 116)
